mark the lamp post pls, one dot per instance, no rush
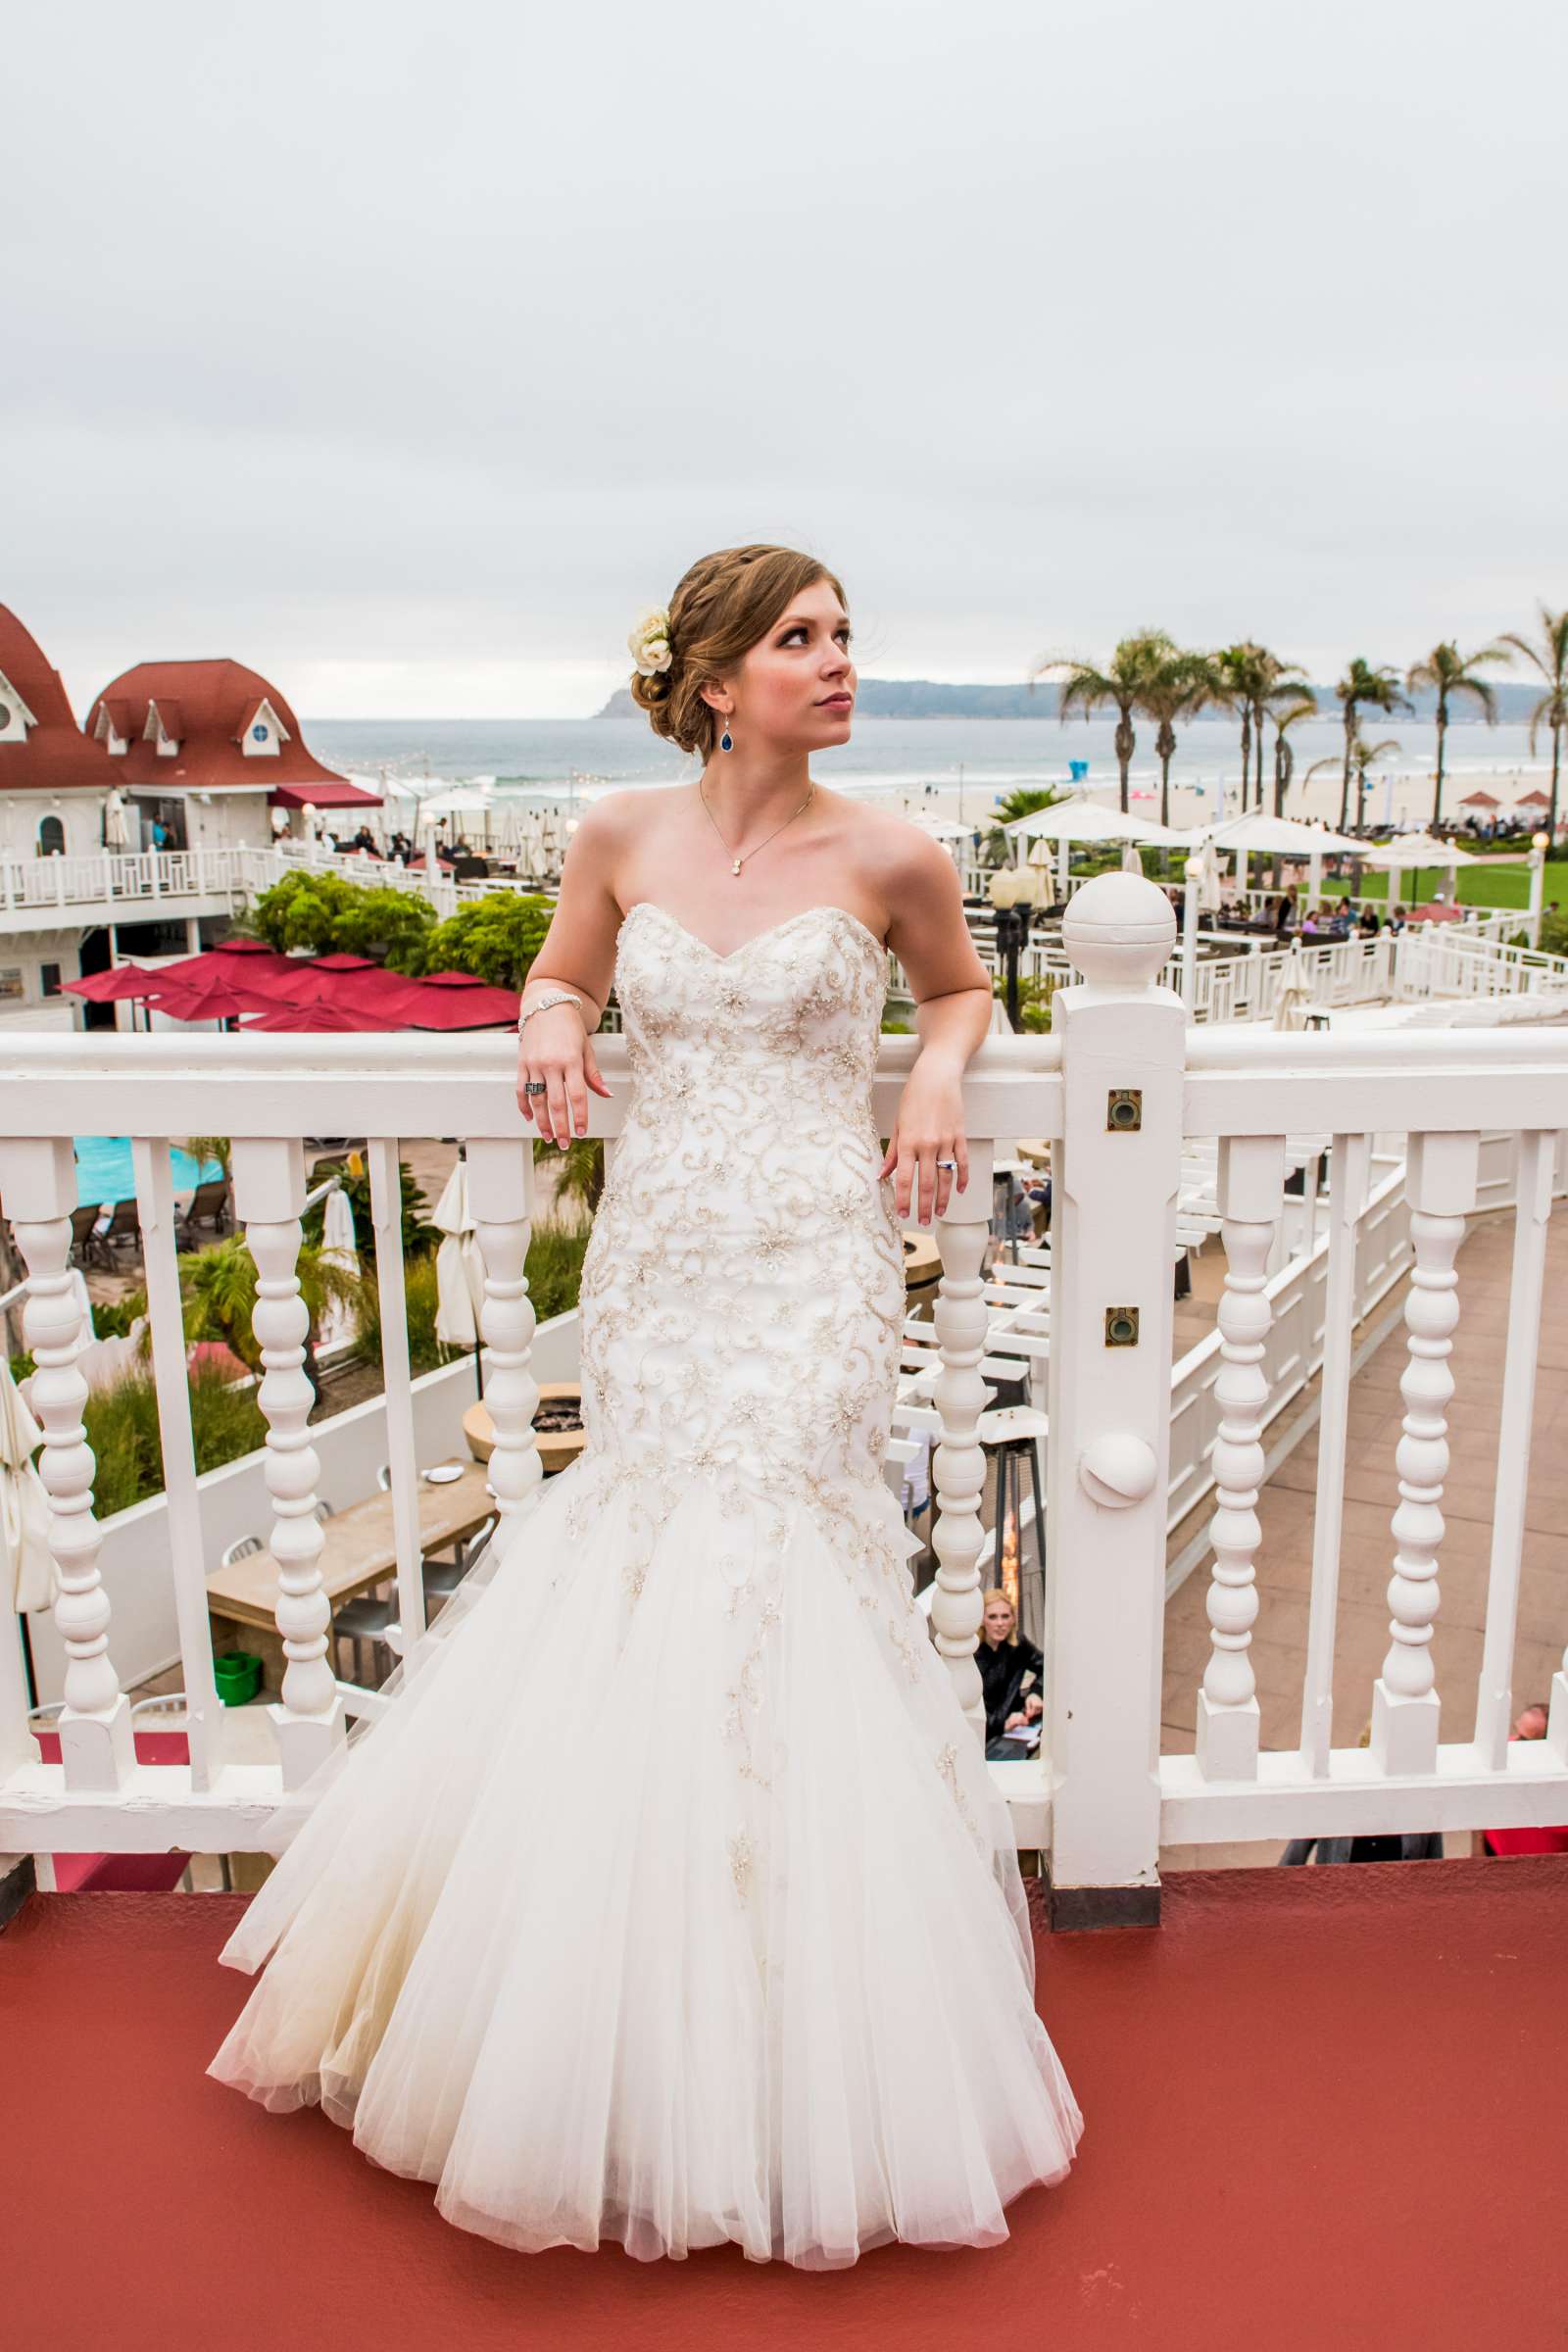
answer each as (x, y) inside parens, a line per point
(1013, 930)
(1539, 844)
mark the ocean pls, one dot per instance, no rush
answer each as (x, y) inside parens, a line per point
(959, 766)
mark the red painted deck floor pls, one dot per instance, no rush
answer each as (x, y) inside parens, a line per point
(1321, 2112)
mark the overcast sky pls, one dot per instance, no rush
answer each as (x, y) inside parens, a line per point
(405, 351)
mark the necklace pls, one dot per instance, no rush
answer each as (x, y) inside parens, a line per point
(736, 862)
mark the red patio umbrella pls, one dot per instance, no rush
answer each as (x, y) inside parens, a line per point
(320, 1020)
(460, 1000)
(204, 998)
(354, 982)
(102, 988)
(243, 963)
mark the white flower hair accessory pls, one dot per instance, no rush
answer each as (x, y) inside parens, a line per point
(648, 641)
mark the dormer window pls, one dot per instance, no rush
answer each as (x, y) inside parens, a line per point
(14, 716)
(106, 732)
(263, 734)
(163, 729)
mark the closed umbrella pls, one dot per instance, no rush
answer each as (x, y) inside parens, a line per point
(115, 833)
(459, 1270)
(340, 1244)
(28, 1571)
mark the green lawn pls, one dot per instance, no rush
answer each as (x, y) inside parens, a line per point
(1493, 882)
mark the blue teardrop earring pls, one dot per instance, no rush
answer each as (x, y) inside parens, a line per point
(726, 742)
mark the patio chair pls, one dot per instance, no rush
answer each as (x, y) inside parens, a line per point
(82, 1221)
(122, 1231)
(210, 1206)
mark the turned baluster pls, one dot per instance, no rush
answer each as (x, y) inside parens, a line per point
(500, 1198)
(268, 1199)
(1250, 1188)
(1440, 1189)
(38, 1187)
(958, 1460)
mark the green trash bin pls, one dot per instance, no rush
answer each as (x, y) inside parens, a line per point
(239, 1676)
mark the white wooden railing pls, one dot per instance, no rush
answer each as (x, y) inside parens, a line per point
(1124, 1088)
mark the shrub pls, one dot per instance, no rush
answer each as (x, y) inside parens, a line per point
(496, 937)
(122, 1427)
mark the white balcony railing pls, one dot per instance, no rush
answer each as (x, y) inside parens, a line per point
(1124, 1088)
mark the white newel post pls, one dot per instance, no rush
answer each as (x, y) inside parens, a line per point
(501, 1197)
(1440, 1183)
(38, 1187)
(1249, 1192)
(958, 1460)
(1113, 1244)
(268, 1200)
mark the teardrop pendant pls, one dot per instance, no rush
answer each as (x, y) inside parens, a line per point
(726, 741)
(736, 868)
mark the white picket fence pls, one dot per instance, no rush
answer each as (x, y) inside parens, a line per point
(1123, 1089)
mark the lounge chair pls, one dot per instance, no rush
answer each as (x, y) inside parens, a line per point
(209, 1206)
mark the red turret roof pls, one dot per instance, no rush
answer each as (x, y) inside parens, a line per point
(53, 755)
(206, 706)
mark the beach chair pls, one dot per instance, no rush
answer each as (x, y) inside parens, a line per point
(82, 1221)
(122, 1231)
(209, 1207)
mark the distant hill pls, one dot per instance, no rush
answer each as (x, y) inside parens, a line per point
(925, 698)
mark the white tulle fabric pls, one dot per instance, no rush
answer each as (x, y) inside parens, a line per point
(670, 1902)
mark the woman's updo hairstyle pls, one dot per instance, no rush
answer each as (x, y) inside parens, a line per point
(724, 605)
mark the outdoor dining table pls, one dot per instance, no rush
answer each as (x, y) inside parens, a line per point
(357, 1551)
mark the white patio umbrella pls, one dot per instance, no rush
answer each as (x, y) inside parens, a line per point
(340, 1244)
(1270, 834)
(28, 1572)
(1131, 861)
(1071, 820)
(459, 1269)
(115, 833)
(1088, 820)
(1409, 850)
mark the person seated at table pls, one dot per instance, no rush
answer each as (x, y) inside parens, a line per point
(1367, 921)
(1398, 920)
(1011, 1669)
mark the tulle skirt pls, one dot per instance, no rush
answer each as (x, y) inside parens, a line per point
(670, 1902)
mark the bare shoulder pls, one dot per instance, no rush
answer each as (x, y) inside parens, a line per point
(897, 860)
(911, 875)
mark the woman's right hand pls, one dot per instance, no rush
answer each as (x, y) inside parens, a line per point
(555, 1046)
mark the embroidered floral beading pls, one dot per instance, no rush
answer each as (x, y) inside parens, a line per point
(742, 1299)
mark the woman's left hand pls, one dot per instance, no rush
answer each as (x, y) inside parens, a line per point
(928, 1127)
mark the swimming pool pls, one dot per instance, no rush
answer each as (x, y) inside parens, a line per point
(104, 1169)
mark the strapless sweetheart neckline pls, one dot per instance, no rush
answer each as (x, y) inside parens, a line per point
(828, 906)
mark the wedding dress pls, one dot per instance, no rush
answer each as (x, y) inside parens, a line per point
(738, 1950)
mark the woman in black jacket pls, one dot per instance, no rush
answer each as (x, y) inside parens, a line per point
(1010, 1668)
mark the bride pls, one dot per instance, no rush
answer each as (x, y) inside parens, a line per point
(744, 1958)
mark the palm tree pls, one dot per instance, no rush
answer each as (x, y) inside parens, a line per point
(1285, 750)
(1176, 688)
(1121, 684)
(1375, 690)
(1364, 755)
(1449, 672)
(1550, 658)
(1256, 682)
